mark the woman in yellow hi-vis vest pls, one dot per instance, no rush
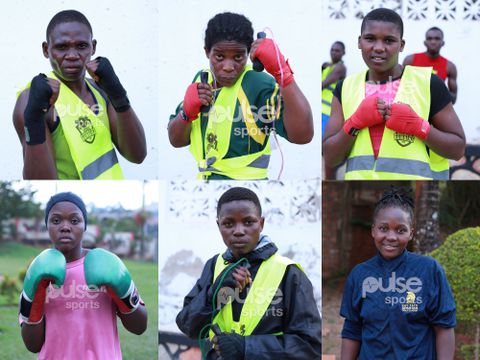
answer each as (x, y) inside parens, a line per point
(252, 302)
(69, 125)
(391, 122)
(229, 136)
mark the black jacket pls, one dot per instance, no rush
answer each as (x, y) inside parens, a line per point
(295, 313)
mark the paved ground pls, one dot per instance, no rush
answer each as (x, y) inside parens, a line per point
(331, 322)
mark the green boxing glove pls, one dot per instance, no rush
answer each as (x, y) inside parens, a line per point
(49, 266)
(104, 268)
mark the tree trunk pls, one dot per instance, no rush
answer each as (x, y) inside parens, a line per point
(477, 342)
(427, 203)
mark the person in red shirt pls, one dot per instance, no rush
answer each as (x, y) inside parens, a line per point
(441, 66)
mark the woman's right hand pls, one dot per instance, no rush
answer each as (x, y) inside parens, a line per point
(197, 94)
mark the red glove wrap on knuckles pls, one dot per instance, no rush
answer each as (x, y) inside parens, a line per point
(404, 120)
(275, 65)
(366, 115)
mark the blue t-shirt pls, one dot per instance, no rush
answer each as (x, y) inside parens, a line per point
(391, 306)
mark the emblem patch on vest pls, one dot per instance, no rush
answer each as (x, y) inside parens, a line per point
(86, 129)
(403, 139)
(212, 141)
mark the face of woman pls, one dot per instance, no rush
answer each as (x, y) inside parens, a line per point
(66, 227)
(381, 44)
(391, 231)
(227, 61)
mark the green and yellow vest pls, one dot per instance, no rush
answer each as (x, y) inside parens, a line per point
(209, 151)
(401, 156)
(260, 295)
(327, 93)
(82, 140)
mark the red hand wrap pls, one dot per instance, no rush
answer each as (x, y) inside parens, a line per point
(366, 115)
(38, 302)
(404, 120)
(275, 65)
(192, 102)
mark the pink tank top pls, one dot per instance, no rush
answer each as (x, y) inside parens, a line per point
(386, 92)
(79, 323)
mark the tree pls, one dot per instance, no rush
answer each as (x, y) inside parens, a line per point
(427, 202)
(460, 257)
(16, 203)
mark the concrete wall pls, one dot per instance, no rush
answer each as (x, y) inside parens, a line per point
(461, 47)
(127, 33)
(182, 31)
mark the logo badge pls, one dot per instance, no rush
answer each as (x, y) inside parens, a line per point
(404, 139)
(212, 141)
(86, 129)
(411, 305)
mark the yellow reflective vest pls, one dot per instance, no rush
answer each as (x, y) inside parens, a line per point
(264, 287)
(210, 151)
(327, 93)
(401, 156)
(85, 136)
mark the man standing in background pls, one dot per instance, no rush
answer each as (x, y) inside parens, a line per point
(332, 72)
(441, 66)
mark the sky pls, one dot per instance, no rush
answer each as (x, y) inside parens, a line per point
(127, 193)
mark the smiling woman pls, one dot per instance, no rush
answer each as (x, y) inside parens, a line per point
(397, 303)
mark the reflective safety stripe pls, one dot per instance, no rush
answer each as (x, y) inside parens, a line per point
(100, 165)
(404, 166)
(400, 156)
(258, 163)
(210, 156)
(441, 175)
(261, 162)
(396, 166)
(365, 162)
(326, 102)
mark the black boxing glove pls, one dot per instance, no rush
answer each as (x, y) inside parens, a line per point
(231, 346)
(36, 109)
(110, 83)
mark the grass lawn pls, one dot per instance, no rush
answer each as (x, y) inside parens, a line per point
(14, 257)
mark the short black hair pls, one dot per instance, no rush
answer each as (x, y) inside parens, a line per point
(231, 27)
(434, 28)
(340, 43)
(385, 15)
(395, 198)
(67, 16)
(239, 193)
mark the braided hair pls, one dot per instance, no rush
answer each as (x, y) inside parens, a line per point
(231, 27)
(396, 198)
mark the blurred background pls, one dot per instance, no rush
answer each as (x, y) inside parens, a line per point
(190, 237)
(122, 218)
(447, 227)
(340, 20)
